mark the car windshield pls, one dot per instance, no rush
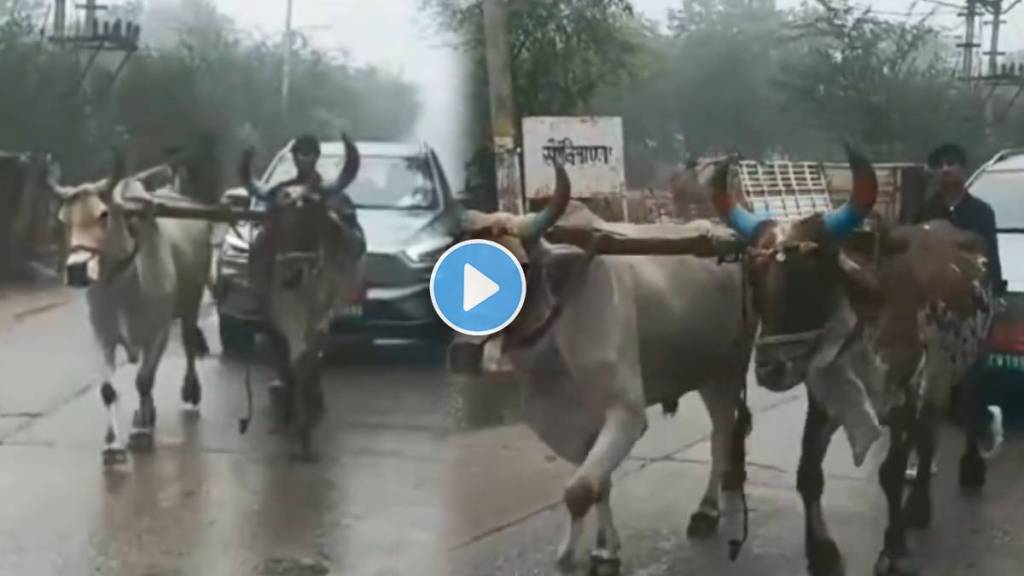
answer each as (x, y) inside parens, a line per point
(387, 182)
(1004, 191)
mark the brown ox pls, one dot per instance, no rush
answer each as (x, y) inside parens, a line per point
(900, 321)
(307, 262)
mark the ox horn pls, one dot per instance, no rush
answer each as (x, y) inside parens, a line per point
(839, 224)
(537, 224)
(245, 176)
(737, 217)
(351, 168)
(52, 177)
(108, 185)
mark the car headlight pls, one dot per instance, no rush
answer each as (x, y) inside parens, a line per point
(427, 251)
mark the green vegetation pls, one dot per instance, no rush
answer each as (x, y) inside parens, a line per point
(197, 73)
(737, 75)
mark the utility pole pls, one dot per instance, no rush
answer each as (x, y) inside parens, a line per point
(968, 45)
(996, 7)
(286, 67)
(60, 11)
(503, 110)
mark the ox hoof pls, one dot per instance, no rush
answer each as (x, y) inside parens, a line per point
(972, 472)
(280, 403)
(604, 562)
(702, 525)
(305, 450)
(918, 510)
(566, 563)
(887, 566)
(824, 559)
(191, 393)
(141, 440)
(114, 454)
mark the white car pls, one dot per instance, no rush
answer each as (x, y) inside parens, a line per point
(1000, 182)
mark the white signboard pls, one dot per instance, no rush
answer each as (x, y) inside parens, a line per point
(590, 148)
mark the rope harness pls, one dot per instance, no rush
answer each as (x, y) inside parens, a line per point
(736, 476)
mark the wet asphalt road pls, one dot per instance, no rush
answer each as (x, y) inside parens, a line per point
(420, 474)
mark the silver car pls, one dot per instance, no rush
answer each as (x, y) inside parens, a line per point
(410, 218)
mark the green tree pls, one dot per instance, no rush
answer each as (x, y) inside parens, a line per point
(202, 75)
(560, 52)
(889, 84)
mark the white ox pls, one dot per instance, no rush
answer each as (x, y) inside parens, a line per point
(140, 273)
(600, 340)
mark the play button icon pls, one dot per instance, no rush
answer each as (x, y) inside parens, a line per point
(477, 287)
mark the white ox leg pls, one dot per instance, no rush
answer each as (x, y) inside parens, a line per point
(113, 447)
(623, 426)
(721, 398)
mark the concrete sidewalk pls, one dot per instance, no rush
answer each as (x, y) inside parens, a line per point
(22, 299)
(19, 302)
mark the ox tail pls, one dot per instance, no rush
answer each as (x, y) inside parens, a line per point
(202, 348)
(243, 423)
(737, 476)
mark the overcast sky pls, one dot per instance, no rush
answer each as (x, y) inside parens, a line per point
(396, 34)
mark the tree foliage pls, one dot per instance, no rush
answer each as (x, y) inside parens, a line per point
(560, 53)
(890, 84)
(736, 75)
(200, 75)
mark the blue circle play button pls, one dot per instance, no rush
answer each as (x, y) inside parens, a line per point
(477, 287)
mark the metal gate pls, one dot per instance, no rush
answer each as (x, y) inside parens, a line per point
(785, 190)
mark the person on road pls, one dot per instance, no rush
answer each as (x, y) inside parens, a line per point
(951, 201)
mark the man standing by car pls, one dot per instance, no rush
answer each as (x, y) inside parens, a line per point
(951, 201)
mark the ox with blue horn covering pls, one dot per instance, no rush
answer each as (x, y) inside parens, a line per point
(878, 333)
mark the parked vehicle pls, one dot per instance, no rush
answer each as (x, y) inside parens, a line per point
(1000, 182)
(409, 215)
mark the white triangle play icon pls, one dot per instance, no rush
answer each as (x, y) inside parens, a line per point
(475, 287)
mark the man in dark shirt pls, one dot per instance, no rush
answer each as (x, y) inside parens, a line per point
(951, 201)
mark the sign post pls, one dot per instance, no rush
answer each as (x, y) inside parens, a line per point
(589, 147)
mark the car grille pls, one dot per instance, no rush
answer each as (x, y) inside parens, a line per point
(386, 270)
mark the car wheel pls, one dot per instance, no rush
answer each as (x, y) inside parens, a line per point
(235, 336)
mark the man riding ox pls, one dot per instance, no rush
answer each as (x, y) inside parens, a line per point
(307, 261)
(601, 338)
(140, 273)
(882, 328)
